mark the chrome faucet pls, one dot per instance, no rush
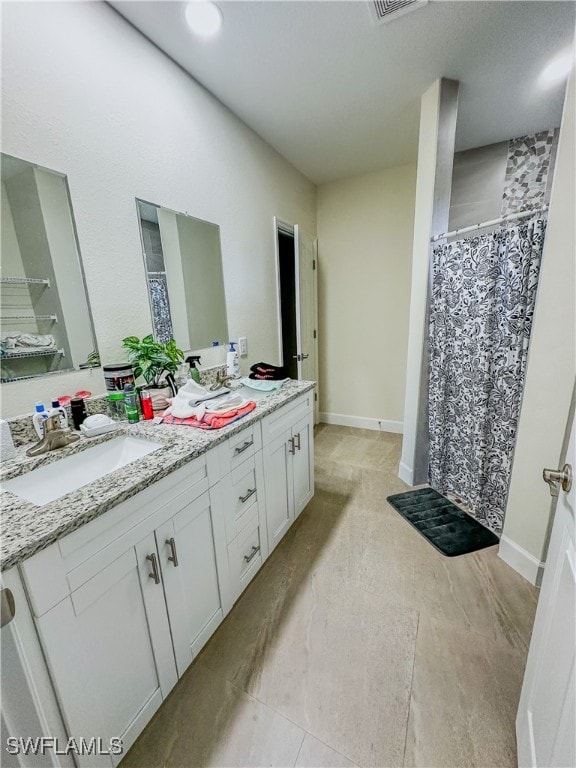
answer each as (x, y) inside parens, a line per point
(54, 437)
(221, 382)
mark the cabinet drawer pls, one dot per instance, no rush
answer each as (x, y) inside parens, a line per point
(282, 419)
(245, 493)
(239, 447)
(245, 557)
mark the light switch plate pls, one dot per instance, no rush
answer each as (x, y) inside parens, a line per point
(243, 345)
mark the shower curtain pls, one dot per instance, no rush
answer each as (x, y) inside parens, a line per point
(481, 308)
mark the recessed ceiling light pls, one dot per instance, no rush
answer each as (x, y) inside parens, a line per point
(204, 17)
(557, 69)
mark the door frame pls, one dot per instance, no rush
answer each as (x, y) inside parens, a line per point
(280, 226)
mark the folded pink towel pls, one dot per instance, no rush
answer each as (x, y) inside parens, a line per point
(212, 420)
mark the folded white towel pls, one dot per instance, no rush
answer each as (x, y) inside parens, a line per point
(20, 339)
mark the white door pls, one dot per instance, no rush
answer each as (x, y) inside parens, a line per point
(109, 650)
(303, 463)
(278, 477)
(305, 249)
(188, 562)
(545, 725)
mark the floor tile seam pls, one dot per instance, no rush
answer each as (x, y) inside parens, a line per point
(299, 748)
(411, 690)
(277, 712)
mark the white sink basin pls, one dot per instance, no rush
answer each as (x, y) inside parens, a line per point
(54, 480)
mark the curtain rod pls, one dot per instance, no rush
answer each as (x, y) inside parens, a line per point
(492, 223)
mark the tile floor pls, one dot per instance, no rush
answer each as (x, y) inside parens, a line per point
(356, 644)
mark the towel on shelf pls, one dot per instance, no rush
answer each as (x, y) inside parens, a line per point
(267, 371)
(211, 420)
(31, 340)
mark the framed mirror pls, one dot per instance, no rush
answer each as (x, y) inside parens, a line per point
(183, 262)
(45, 321)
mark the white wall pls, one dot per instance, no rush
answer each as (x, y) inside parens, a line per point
(365, 243)
(87, 95)
(550, 372)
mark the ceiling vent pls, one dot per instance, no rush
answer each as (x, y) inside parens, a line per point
(388, 10)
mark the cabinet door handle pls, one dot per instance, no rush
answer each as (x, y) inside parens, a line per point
(244, 446)
(174, 556)
(250, 492)
(155, 572)
(298, 438)
(255, 551)
(305, 357)
(292, 449)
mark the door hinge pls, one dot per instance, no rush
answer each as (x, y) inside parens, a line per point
(313, 263)
(315, 396)
(314, 333)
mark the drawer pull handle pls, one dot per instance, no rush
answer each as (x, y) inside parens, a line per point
(244, 446)
(155, 573)
(255, 551)
(250, 492)
(174, 556)
(298, 438)
(292, 448)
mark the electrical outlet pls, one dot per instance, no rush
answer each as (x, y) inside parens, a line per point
(243, 345)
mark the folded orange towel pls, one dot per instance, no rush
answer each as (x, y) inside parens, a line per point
(212, 420)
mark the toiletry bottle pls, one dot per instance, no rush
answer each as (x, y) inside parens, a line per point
(131, 403)
(58, 410)
(194, 372)
(146, 403)
(38, 419)
(78, 409)
(232, 361)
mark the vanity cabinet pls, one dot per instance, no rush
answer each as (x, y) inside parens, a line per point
(288, 465)
(124, 603)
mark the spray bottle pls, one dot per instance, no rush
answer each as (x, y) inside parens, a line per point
(194, 372)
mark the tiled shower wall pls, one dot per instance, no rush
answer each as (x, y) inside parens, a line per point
(501, 178)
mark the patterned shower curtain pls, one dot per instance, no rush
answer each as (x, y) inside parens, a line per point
(482, 304)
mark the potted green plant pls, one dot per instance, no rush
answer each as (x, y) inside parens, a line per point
(155, 361)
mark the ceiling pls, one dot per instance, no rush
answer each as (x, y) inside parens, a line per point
(338, 95)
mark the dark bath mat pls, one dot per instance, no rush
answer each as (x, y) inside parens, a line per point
(450, 530)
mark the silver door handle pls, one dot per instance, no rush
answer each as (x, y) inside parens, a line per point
(555, 477)
(244, 446)
(250, 492)
(7, 606)
(292, 448)
(173, 557)
(298, 437)
(155, 573)
(255, 551)
(297, 357)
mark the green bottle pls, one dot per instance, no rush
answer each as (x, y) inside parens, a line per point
(131, 403)
(194, 372)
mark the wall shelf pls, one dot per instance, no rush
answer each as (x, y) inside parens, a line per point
(32, 353)
(30, 318)
(25, 281)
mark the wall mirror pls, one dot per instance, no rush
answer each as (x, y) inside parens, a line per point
(45, 321)
(183, 262)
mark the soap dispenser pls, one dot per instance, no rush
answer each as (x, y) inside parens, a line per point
(232, 361)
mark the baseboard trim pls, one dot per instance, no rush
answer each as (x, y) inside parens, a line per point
(406, 473)
(362, 422)
(522, 561)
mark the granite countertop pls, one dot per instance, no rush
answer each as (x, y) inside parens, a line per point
(27, 528)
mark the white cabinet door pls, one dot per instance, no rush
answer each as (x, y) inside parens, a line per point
(109, 650)
(278, 478)
(303, 463)
(188, 561)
